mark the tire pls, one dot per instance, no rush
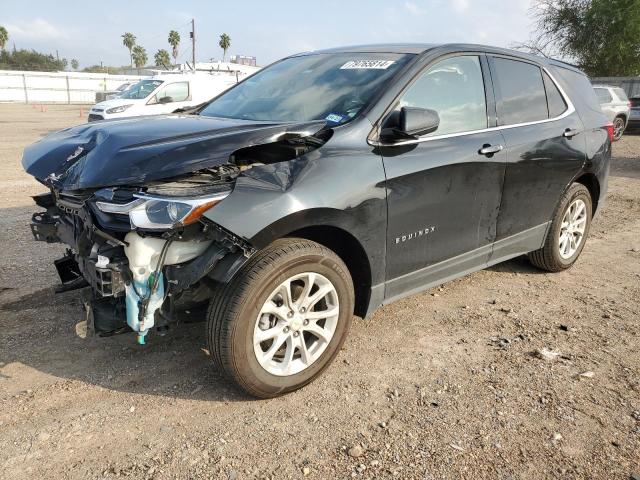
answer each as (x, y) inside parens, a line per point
(236, 315)
(550, 257)
(618, 128)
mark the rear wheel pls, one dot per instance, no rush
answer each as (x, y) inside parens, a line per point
(568, 232)
(282, 319)
(618, 128)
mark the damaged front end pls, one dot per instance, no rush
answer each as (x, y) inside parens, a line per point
(144, 248)
(142, 252)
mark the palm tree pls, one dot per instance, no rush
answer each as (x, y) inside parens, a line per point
(129, 41)
(225, 43)
(162, 58)
(174, 41)
(4, 37)
(139, 56)
(74, 64)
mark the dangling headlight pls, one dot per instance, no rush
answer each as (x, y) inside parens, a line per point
(163, 212)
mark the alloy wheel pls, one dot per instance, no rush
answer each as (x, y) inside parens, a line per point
(618, 128)
(296, 324)
(574, 223)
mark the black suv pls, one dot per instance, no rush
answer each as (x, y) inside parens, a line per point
(327, 184)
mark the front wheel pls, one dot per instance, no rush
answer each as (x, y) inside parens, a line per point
(282, 319)
(568, 232)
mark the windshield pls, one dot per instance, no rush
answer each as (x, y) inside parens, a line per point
(331, 87)
(141, 90)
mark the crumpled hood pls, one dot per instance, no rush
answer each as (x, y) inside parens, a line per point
(134, 151)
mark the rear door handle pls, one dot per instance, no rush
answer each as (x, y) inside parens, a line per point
(570, 132)
(490, 149)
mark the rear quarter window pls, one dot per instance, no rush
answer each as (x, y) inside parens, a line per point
(557, 105)
(603, 95)
(621, 94)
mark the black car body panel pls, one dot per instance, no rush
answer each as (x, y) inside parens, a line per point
(139, 150)
(413, 213)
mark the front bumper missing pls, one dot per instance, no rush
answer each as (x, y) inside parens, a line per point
(120, 272)
(105, 282)
(44, 227)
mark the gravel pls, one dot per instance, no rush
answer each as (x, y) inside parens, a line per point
(424, 388)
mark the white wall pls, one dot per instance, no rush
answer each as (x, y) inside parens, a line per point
(57, 87)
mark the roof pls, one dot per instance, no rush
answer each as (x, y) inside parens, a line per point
(419, 48)
(414, 48)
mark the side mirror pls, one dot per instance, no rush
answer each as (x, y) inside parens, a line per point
(165, 100)
(414, 121)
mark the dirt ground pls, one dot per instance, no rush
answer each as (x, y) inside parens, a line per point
(441, 385)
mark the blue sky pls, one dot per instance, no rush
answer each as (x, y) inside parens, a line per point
(90, 31)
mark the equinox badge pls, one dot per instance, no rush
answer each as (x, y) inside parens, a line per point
(416, 234)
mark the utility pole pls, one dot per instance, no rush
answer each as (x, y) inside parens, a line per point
(193, 43)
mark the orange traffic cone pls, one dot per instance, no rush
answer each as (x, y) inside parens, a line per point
(81, 113)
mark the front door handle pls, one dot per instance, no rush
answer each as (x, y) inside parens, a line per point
(570, 132)
(489, 150)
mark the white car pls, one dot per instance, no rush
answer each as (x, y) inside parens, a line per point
(163, 94)
(616, 106)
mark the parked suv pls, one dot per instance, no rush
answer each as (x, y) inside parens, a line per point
(616, 106)
(327, 184)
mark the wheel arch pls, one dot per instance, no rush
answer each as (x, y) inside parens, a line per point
(622, 116)
(329, 228)
(591, 182)
(351, 252)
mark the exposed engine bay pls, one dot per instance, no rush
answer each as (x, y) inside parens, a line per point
(145, 251)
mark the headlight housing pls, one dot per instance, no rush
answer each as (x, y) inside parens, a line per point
(119, 109)
(163, 213)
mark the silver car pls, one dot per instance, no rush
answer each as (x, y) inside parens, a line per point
(615, 105)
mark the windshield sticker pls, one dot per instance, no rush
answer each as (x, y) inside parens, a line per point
(367, 64)
(333, 117)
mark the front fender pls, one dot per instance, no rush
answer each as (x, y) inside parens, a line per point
(326, 187)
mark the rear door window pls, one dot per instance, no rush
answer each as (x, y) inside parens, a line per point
(520, 91)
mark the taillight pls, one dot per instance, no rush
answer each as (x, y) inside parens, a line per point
(629, 104)
(609, 128)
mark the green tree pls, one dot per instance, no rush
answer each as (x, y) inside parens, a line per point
(129, 41)
(29, 60)
(106, 69)
(601, 36)
(4, 37)
(174, 42)
(74, 64)
(139, 56)
(161, 58)
(225, 43)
